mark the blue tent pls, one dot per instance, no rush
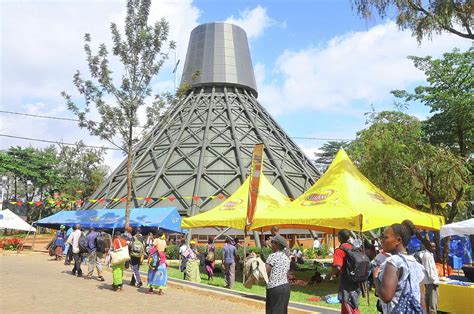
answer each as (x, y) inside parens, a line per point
(166, 218)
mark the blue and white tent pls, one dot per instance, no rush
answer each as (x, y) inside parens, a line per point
(166, 218)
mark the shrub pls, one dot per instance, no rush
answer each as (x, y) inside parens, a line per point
(10, 244)
(310, 253)
(172, 252)
(323, 251)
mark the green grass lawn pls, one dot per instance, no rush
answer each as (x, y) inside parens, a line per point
(298, 293)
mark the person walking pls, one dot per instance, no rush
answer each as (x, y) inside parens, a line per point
(157, 271)
(349, 291)
(117, 270)
(192, 263)
(229, 253)
(137, 252)
(210, 259)
(160, 241)
(73, 240)
(278, 288)
(148, 243)
(59, 243)
(397, 281)
(182, 260)
(431, 279)
(68, 248)
(93, 255)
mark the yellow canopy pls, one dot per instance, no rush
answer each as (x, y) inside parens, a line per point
(344, 198)
(233, 211)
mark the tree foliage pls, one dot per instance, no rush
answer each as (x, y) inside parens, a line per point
(142, 51)
(383, 150)
(423, 18)
(328, 152)
(50, 174)
(391, 152)
(450, 96)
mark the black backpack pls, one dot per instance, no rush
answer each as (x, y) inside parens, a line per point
(83, 246)
(357, 265)
(100, 244)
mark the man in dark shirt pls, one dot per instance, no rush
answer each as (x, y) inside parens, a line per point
(229, 253)
(94, 259)
(135, 261)
(349, 291)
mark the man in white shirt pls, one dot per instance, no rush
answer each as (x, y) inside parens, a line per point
(316, 244)
(73, 240)
(431, 280)
(183, 247)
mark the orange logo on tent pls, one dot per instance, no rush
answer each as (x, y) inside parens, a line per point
(317, 198)
(232, 204)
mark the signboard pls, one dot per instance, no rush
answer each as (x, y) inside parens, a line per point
(255, 171)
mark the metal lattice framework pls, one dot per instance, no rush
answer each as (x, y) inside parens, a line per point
(203, 147)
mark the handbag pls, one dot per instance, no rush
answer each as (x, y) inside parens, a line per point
(120, 255)
(407, 302)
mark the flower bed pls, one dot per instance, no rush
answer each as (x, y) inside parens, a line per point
(10, 244)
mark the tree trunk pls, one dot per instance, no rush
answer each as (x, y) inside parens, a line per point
(129, 188)
(438, 246)
(129, 175)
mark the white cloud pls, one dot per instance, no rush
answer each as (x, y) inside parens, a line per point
(253, 21)
(42, 46)
(356, 67)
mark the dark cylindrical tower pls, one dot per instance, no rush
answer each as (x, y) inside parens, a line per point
(218, 54)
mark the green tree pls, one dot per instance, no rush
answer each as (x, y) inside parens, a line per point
(328, 152)
(82, 169)
(33, 172)
(142, 52)
(423, 18)
(450, 96)
(383, 150)
(392, 154)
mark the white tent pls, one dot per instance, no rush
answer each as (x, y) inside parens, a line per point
(458, 228)
(9, 220)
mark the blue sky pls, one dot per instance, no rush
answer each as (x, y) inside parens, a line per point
(318, 66)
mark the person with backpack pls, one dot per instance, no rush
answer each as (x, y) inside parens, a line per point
(137, 251)
(398, 281)
(210, 259)
(74, 240)
(93, 255)
(352, 267)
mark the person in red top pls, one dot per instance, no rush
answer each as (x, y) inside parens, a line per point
(117, 270)
(349, 292)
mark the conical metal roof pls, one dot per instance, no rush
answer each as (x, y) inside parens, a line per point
(202, 148)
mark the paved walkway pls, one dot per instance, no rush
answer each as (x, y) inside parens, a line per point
(33, 283)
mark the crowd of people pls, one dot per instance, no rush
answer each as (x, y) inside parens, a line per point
(403, 282)
(77, 244)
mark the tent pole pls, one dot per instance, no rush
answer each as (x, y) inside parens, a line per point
(333, 240)
(245, 253)
(34, 239)
(24, 240)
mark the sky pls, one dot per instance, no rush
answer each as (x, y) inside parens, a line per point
(318, 66)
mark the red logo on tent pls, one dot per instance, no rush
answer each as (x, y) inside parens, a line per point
(317, 198)
(232, 204)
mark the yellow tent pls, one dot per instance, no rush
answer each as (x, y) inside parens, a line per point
(233, 211)
(344, 198)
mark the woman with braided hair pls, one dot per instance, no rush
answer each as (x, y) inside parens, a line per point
(398, 282)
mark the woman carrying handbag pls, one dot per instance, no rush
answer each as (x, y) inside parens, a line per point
(119, 256)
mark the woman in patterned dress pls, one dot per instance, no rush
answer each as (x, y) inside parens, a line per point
(278, 288)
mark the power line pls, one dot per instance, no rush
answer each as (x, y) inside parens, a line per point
(55, 142)
(75, 120)
(38, 116)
